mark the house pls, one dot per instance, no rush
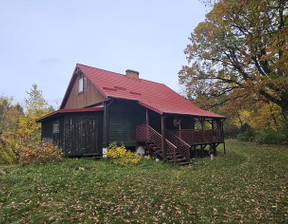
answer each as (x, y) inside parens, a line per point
(100, 107)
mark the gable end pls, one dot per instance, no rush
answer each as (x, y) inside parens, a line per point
(81, 96)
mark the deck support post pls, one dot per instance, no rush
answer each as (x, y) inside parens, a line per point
(163, 137)
(202, 148)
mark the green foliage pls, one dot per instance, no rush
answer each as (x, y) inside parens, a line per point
(230, 130)
(7, 153)
(119, 155)
(38, 152)
(21, 134)
(9, 148)
(88, 191)
(9, 115)
(246, 133)
(35, 103)
(270, 136)
(36, 106)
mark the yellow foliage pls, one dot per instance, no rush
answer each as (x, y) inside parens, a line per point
(121, 156)
(267, 115)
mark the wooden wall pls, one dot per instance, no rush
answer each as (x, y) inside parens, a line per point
(80, 134)
(90, 96)
(122, 118)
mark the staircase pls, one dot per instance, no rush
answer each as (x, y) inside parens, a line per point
(177, 151)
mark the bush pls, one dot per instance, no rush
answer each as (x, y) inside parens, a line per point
(119, 155)
(269, 136)
(246, 133)
(14, 149)
(39, 152)
(230, 129)
(8, 149)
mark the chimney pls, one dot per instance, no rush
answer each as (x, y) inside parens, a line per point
(132, 73)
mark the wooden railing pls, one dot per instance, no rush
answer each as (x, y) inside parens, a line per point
(182, 147)
(194, 137)
(145, 133)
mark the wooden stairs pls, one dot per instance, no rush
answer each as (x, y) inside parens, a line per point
(157, 152)
(177, 151)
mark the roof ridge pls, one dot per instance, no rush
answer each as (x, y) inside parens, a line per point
(141, 79)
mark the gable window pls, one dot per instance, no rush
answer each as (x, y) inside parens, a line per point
(81, 85)
(55, 127)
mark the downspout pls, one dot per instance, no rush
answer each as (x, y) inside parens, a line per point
(163, 136)
(105, 122)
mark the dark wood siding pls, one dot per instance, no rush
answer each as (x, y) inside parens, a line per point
(79, 134)
(47, 134)
(83, 134)
(123, 116)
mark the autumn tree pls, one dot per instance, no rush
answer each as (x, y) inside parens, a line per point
(9, 114)
(35, 107)
(240, 51)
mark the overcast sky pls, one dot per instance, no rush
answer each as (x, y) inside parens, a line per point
(41, 41)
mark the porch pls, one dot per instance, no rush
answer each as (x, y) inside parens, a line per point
(173, 141)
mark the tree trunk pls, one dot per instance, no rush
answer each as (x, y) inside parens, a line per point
(285, 113)
(284, 107)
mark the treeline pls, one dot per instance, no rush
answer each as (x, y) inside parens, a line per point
(19, 133)
(258, 121)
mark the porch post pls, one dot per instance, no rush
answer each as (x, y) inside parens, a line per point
(147, 124)
(202, 126)
(163, 136)
(222, 135)
(180, 132)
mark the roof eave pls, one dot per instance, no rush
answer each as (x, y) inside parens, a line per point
(63, 111)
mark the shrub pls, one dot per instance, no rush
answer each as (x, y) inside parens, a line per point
(269, 136)
(39, 152)
(246, 133)
(8, 149)
(119, 155)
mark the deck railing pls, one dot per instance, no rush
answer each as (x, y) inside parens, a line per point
(194, 137)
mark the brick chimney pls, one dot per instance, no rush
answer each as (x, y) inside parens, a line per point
(132, 73)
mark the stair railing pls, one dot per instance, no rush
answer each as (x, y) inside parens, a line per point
(156, 138)
(182, 147)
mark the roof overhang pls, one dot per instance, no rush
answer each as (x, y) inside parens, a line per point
(64, 111)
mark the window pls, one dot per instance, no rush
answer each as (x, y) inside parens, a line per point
(81, 85)
(55, 127)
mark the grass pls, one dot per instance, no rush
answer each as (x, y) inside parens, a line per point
(248, 185)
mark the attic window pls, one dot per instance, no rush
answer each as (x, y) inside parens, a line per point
(81, 85)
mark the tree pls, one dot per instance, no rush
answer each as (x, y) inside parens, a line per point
(9, 114)
(240, 51)
(35, 106)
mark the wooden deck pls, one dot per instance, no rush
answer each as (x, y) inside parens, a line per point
(179, 144)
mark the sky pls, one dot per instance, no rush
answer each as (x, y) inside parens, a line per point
(41, 41)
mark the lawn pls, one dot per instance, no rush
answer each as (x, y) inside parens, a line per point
(248, 185)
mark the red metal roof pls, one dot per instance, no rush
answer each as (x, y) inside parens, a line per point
(62, 111)
(152, 95)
